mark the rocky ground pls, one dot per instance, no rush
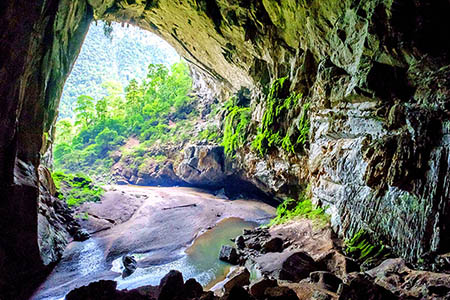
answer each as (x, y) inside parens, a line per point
(296, 260)
(130, 219)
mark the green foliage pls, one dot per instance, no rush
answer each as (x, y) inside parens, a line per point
(84, 216)
(361, 247)
(157, 110)
(235, 128)
(76, 189)
(304, 125)
(211, 133)
(301, 208)
(84, 110)
(272, 131)
(121, 59)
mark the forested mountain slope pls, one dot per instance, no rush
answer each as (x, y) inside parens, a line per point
(118, 55)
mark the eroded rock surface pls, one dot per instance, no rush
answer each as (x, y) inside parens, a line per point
(204, 166)
(379, 95)
(56, 224)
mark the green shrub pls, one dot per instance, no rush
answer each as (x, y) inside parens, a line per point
(361, 247)
(304, 125)
(301, 208)
(76, 189)
(211, 134)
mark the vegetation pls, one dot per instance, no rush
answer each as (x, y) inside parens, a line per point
(107, 55)
(272, 132)
(235, 127)
(301, 208)
(157, 110)
(212, 133)
(76, 189)
(361, 248)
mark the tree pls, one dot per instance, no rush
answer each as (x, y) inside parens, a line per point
(64, 131)
(101, 109)
(105, 140)
(84, 110)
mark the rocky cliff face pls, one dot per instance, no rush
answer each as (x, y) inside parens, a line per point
(376, 75)
(40, 41)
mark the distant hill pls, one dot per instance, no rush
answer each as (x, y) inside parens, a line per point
(124, 56)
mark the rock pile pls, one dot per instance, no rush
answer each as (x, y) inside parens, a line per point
(291, 261)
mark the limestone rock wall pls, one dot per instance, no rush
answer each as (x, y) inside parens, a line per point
(376, 75)
(39, 43)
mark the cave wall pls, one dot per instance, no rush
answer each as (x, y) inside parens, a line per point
(39, 43)
(376, 73)
(377, 76)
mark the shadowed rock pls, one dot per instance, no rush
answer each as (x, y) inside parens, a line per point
(130, 265)
(229, 254)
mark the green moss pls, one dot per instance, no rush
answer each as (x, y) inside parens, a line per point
(361, 247)
(235, 127)
(211, 134)
(272, 132)
(304, 125)
(301, 208)
(76, 189)
(84, 216)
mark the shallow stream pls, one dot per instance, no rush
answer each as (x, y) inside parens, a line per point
(200, 261)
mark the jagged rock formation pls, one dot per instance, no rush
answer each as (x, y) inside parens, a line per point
(379, 94)
(56, 225)
(375, 72)
(204, 165)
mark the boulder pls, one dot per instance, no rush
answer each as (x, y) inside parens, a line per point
(274, 244)
(203, 166)
(394, 275)
(240, 242)
(325, 280)
(129, 264)
(81, 235)
(258, 287)
(321, 295)
(290, 265)
(362, 286)
(237, 278)
(192, 289)
(253, 243)
(280, 293)
(229, 254)
(338, 264)
(171, 285)
(237, 293)
(208, 296)
(106, 290)
(297, 266)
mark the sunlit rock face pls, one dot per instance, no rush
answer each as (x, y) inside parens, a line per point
(375, 72)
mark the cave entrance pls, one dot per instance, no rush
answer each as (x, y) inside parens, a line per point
(118, 141)
(127, 94)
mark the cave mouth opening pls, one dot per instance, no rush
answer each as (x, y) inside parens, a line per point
(115, 154)
(126, 92)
